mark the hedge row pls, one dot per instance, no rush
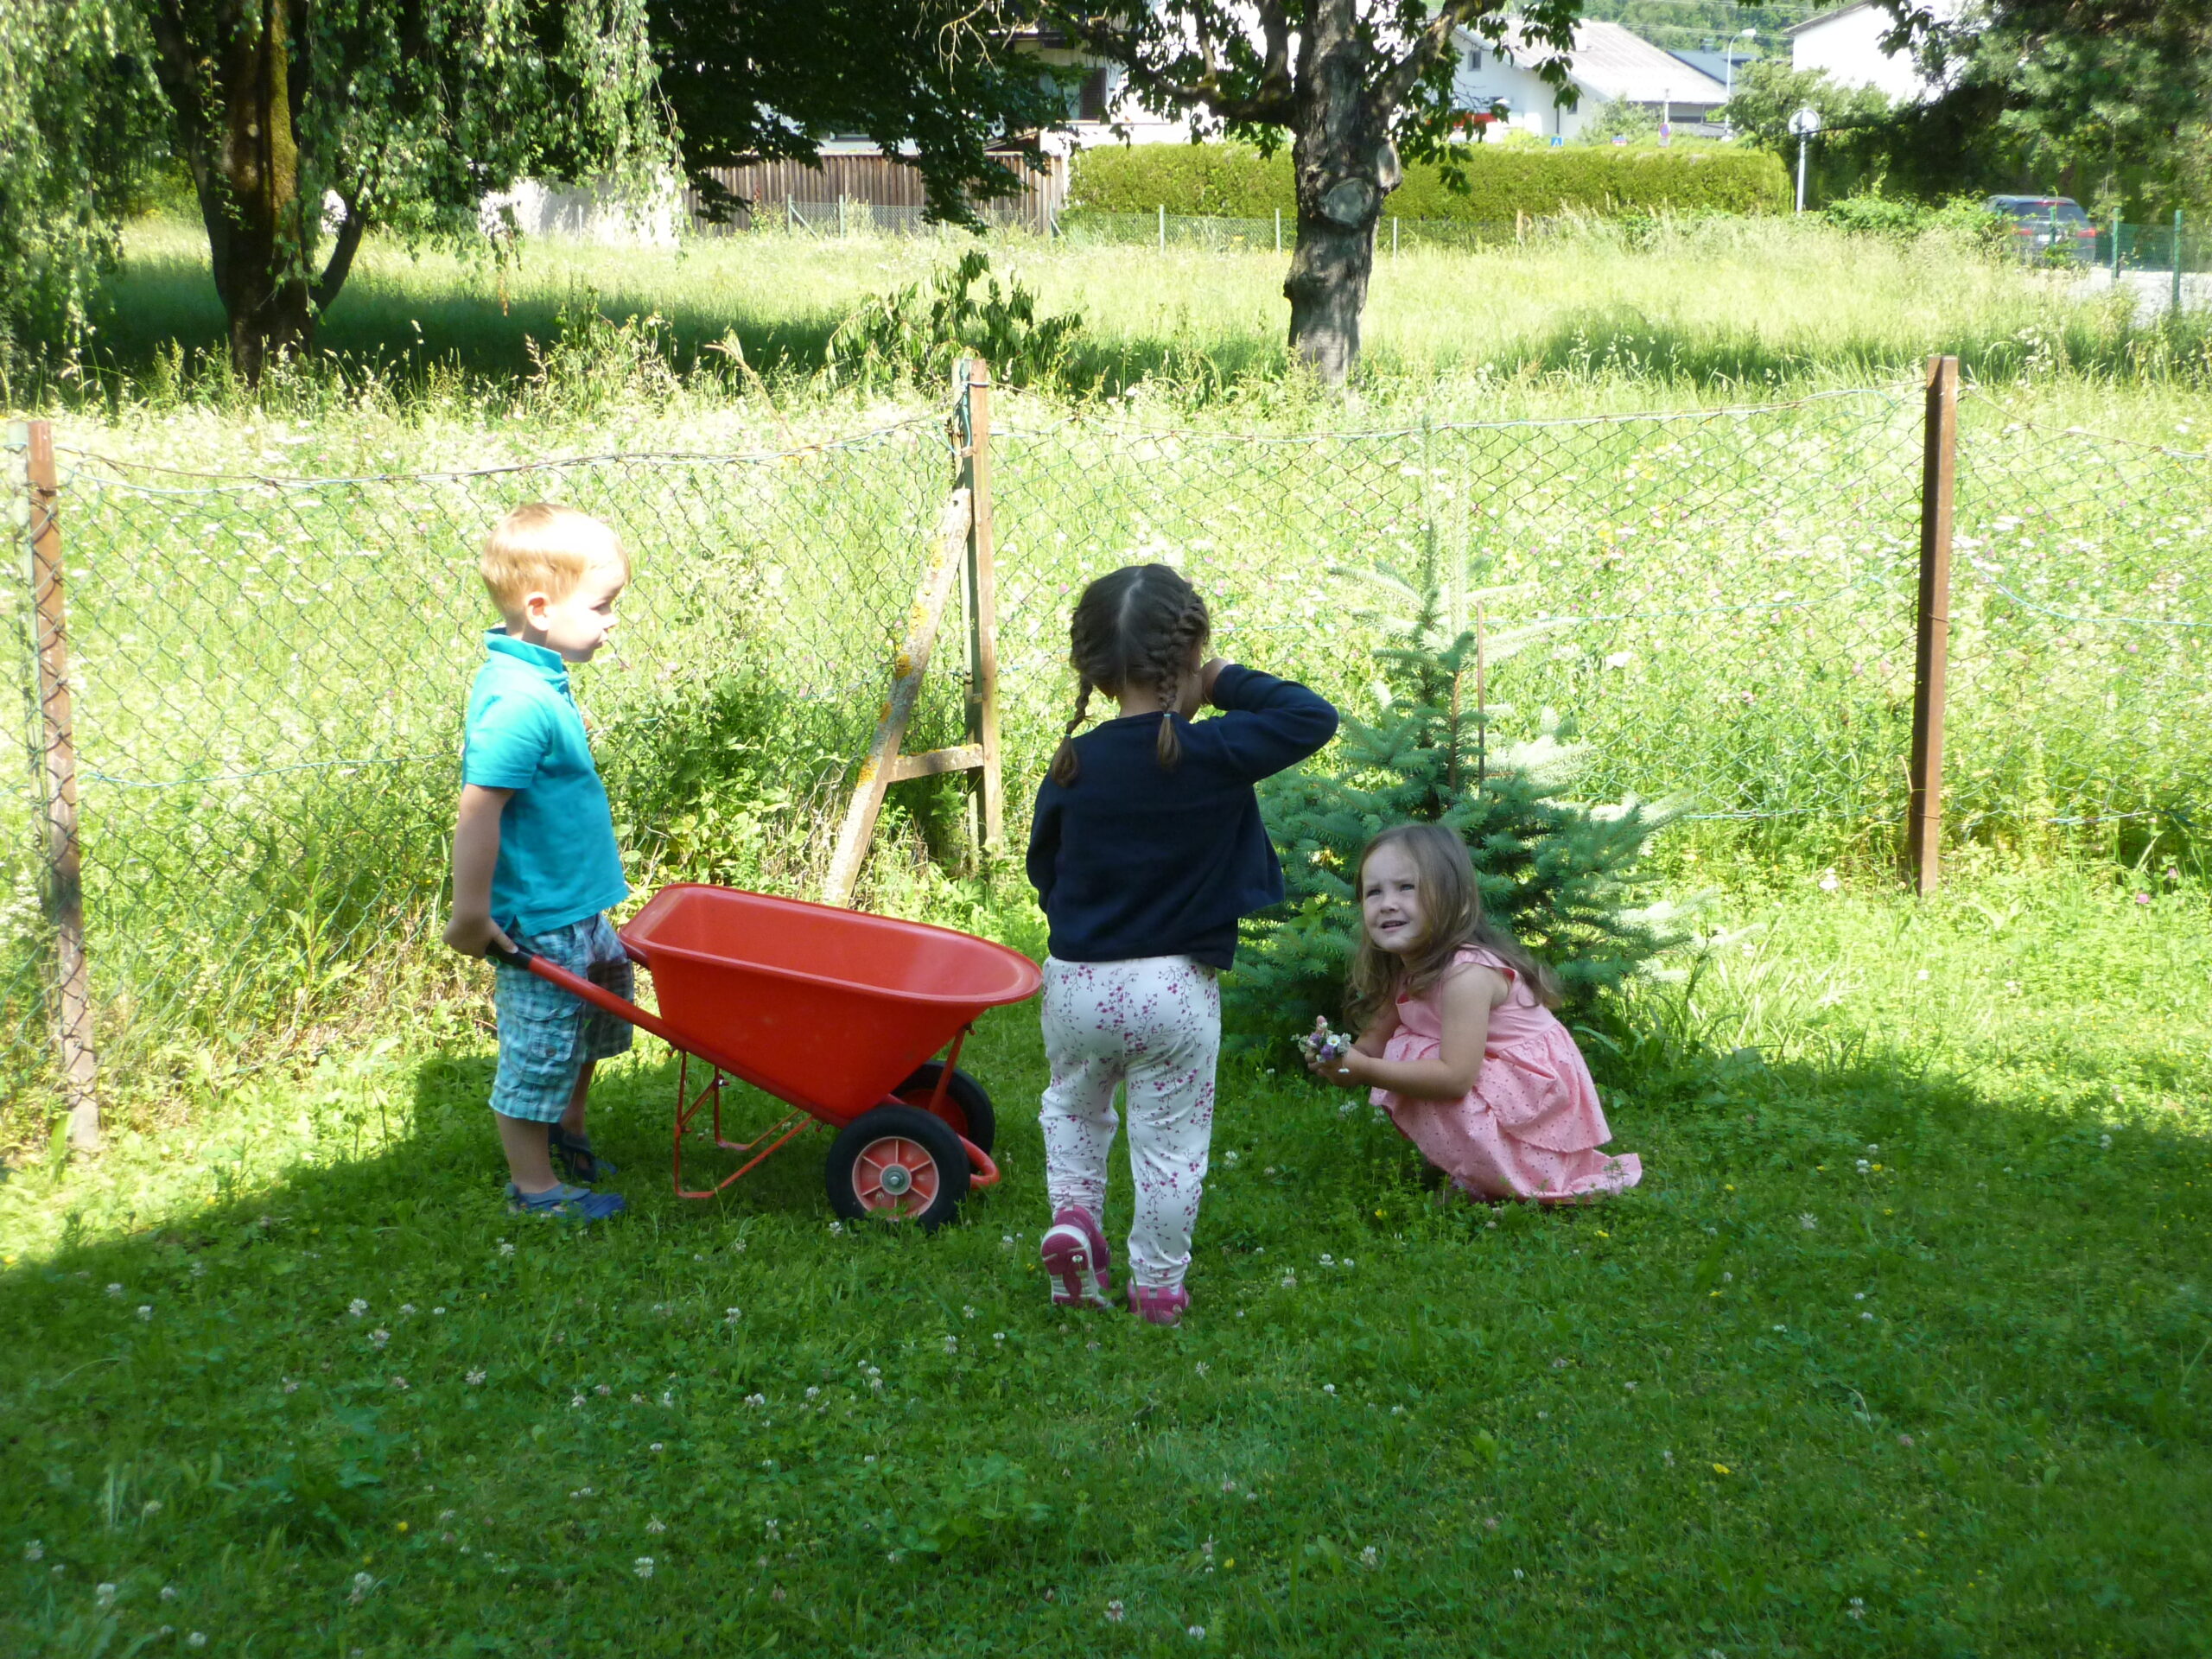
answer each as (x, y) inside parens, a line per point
(1232, 181)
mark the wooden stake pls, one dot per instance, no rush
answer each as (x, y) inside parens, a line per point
(1924, 814)
(881, 766)
(983, 598)
(58, 776)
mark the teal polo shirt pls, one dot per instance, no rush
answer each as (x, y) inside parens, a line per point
(558, 862)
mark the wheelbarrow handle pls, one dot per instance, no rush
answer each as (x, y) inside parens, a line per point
(576, 985)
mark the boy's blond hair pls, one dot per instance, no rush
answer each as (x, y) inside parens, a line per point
(542, 547)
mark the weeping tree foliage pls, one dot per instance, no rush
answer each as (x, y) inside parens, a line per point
(78, 120)
(302, 123)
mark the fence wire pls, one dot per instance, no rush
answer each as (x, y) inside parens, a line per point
(2080, 642)
(270, 674)
(1719, 604)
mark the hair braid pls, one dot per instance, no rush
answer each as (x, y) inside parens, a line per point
(1066, 766)
(1138, 627)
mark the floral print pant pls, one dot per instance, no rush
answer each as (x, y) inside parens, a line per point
(1153, 1024)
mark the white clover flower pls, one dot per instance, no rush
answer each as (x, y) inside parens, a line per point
(1371, 1556)
(1006, 1242)
(1327, 1261)
(104, 1595)
(1858, 1608)
(115, 1290)
(998, 1336)
(151, 1506)
(506, 1249)
(146, 1309)
(378, 1339)
(354, 1309)
(437, 1313)
(1114, 1610)
(967, 1313)
(1203, 1367)
(1864, 1167)
(362, 1584)
(168, 1592)
(1808, 1221)
(1869, 1317)
(197, 1639)
(602, 1389)
(656, 1446)
(399, 1383)
(814, 1393)
(1829, 881)
(291, 1386)
(1230, 1158)
(732, 1315)
(407, 1307)
(34, 1551)
(756, 1400)
(668, 1396)
(837, 1227)
(643, 1566)
(737, 1244)
(1196, 1632)
(1290, 1282)
(2105, 1142)
(476, 1379)
(1397, 1411)
(575, 1403)
(953, 1345)
(1328, 1387)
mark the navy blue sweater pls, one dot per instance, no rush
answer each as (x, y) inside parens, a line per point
(1136, 860)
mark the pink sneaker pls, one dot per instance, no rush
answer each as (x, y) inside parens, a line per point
(1075, 1254)
(1159, 1304)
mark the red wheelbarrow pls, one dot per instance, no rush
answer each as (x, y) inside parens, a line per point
(835, 1013)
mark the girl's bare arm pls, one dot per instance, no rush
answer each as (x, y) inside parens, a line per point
(1465, 998)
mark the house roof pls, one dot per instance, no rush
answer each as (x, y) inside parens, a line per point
(1827, 16)
(1618, 65)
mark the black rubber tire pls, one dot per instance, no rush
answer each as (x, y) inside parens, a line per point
(968, 1103)
(932, 1134)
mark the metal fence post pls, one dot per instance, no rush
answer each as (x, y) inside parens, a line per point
(1924, 815)
(2115, 244)
(1278, 230)
(65, 896)
(1162, 210)
(983, 712)
(2176, 263)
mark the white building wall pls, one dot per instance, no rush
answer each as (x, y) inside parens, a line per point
(1846, 46)
(1531, 102)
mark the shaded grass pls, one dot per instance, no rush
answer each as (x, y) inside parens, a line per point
(1657, 1426)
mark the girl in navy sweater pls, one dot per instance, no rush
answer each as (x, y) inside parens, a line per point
(1146, 850)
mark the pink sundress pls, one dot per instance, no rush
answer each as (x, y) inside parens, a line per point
(1531, 1126)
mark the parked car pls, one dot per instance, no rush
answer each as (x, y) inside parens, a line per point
(2048, 228)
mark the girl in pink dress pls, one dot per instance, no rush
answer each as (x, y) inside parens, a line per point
(1459, 1042)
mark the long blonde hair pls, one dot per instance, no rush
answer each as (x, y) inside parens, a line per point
(1452, 916)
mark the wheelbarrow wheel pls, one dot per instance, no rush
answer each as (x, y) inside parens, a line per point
(897, 1163)
(967, 1105)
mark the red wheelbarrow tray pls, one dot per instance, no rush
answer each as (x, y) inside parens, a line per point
(829, 1010)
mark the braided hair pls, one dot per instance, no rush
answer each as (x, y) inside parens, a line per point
(1142, 626)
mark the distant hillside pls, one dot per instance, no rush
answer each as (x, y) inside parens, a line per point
(1706, 25)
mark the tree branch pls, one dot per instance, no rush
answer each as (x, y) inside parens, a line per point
(348, 243)
(1398, 82)
(1272, 105)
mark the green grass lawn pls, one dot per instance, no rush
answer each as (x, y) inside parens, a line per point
(1901, 1348)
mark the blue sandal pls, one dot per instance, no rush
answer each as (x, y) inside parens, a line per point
(565, 1203)
(577, 1160)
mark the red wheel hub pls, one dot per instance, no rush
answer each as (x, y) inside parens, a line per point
(895, 1176)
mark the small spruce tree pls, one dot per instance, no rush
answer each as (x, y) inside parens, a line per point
(1564, 876)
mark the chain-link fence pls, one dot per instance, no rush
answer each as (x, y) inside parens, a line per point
(1720, 603)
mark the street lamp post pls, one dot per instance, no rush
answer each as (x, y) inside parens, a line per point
(1728, 53)
(1804, 123)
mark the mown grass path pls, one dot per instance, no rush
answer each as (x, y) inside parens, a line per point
(1901, 1349)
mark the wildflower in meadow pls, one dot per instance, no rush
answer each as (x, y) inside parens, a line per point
(953, 1345)
(602, 1389)
(1196, 1632)
(656, 1524)
(104, 1595)
(506, 1249)
(378, 1339)
(355, 1308)
(643, 1566)
(756, 1400)
(146, 1309)
(1371, 1556)
(197, 1639)
(1858, 1608)
(732, 1315)
(168, 1592)
(291, 1386)
(1809, 1221)
(576, 1403)
(1114, 1610)
(406, 1308)
(1328, 1387)
(362, 1584)
(1230, 1158)
(476, 1379)
(656, 1446)
(1290, 1282)
(34, 1551)
(115, 1290)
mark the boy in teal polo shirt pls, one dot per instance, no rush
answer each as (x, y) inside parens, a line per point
(534, 859)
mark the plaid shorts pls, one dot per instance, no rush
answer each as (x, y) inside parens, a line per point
(545, 1033)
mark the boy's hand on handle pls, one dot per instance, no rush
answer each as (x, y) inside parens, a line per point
(474, 936)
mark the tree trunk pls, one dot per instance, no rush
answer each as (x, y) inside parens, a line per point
(237, 99)
(1342, 164)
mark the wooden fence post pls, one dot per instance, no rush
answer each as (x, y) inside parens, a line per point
(64, 895)
(982, 711)
(1924, 815)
